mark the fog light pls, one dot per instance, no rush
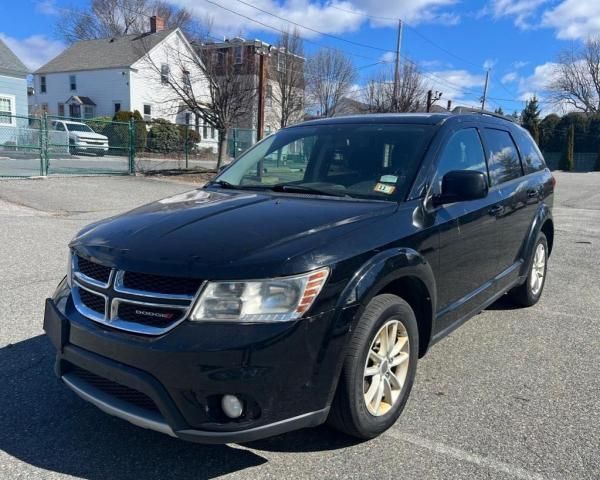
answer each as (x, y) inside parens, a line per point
(232, 406)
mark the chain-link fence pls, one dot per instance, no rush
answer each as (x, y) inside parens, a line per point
(22, 146)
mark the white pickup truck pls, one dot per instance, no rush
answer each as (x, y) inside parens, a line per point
(81, 137)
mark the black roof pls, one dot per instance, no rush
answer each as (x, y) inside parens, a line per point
(412, 118)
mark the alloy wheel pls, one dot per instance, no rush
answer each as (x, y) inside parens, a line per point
(386, 368)
(538, 269)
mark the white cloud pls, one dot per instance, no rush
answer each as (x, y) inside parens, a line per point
(571, 19)
(574, 19)
(387, 57)
(522, 10)
(489, 63)
(520, 64)
(460, 86)
(510, 77)
(47, 7)
(333, 17)
(35, 50)
(540, 78)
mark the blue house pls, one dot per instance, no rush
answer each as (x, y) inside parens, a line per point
(13, 86)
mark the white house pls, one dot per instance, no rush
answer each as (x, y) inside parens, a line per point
(95, 78)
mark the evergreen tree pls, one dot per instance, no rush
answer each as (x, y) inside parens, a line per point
(567, 161)
(499, 111)
(530, 118)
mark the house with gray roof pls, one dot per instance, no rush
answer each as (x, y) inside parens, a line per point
(13, 86)
(93, 78)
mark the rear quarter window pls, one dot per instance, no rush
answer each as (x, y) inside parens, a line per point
(504, 164)
(531, 157)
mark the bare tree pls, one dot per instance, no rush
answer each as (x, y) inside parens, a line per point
(329, 76)
(379, 92)
(287, 68)
(209, 84)
(576, 79)
(109, 18)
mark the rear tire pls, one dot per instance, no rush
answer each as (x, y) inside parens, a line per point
(376, 379)
(530, 292)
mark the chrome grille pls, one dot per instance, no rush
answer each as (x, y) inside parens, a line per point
(93, 270)
(161, 284)
(131, 301)
(92, 301)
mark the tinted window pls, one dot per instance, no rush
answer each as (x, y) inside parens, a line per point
(376, 161)
(530, 154)
(504, 161)
(462, 152)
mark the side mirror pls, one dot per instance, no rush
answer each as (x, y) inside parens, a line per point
(461, 186)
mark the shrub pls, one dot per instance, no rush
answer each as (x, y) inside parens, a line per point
(163, 136)
(122, 133)
(189, 136)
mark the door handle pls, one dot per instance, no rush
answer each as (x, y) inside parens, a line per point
(496, 210)
(533, 193)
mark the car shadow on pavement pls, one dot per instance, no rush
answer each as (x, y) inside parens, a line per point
(47, 426)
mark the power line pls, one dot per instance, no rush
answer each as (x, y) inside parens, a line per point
(427, 39)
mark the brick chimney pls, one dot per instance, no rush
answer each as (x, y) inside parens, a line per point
(157, 24)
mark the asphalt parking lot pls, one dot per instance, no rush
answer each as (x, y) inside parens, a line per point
(512, 394)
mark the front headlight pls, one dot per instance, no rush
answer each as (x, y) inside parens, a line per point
(259, 301)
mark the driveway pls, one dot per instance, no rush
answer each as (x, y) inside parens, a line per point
(512, 394)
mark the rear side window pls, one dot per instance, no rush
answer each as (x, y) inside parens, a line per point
(530, 153)
(462, 152)
(504, 164)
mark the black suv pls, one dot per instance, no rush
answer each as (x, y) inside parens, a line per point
(304, 282)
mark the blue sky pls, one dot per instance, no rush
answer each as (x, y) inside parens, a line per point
(452, 41)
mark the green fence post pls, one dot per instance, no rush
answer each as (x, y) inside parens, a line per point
(45, 155)
(132, 140)
(187, 134)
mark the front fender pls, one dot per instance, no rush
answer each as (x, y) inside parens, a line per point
(542, 215)
(384, 268)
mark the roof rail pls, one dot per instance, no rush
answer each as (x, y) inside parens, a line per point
(460, 110)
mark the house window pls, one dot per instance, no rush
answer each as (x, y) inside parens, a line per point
(61, 109)
(73, 82)
(187, 118)
(212, 133)
(238, 54)
(205, 131)
(281, 62)
(269, 99)
(43, 84)
(164, 74)
(44, 108)
(218, 57)
(74, 110)
(7, 105)
(88, 111)
(147, 112)
(185, 78)
(117, 107)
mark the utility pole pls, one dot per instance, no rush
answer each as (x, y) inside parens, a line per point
(432, 98)
(483, 99)
(397, 68)
(260, 123)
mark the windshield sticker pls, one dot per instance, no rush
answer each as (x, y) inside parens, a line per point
(384, 188)
(389, 179)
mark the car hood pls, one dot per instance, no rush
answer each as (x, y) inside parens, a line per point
(90, 135)
(219, 235)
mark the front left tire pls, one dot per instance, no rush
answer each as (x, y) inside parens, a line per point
(379, 369)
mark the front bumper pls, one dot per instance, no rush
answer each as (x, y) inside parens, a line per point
(96, 147)
(286, 374)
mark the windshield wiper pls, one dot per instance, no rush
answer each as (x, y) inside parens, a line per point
(289, 188)
(221, 183)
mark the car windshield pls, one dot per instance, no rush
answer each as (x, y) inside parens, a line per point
(78, 127)
(373, 161)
